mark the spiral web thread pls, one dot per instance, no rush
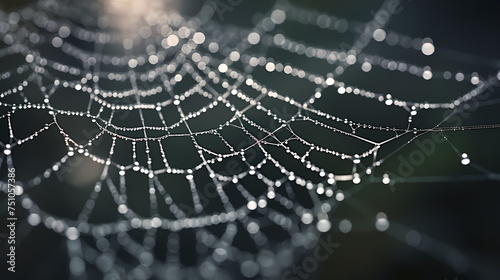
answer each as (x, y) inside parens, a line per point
(174, 49)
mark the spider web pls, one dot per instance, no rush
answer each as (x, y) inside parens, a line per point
(181, 156)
